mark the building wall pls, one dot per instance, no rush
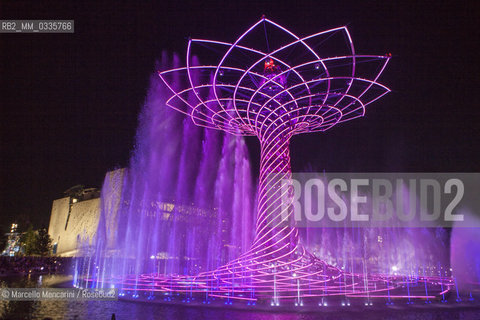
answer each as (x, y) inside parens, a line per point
(58, 219)
(74, 224)
(112, 197)
(80, 228)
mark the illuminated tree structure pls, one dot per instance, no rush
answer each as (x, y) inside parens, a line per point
(272, 84)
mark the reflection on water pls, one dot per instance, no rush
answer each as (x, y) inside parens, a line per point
(142, 311)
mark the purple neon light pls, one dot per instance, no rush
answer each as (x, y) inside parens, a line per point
(310, 96)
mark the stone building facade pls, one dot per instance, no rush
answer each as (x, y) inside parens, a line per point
(74, 219)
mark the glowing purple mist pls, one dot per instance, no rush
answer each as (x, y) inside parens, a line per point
(188, 192)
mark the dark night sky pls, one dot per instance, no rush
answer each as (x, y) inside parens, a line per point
(69, 102)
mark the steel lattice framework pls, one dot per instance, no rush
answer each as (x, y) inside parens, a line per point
(295, 85)
(306, 92)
